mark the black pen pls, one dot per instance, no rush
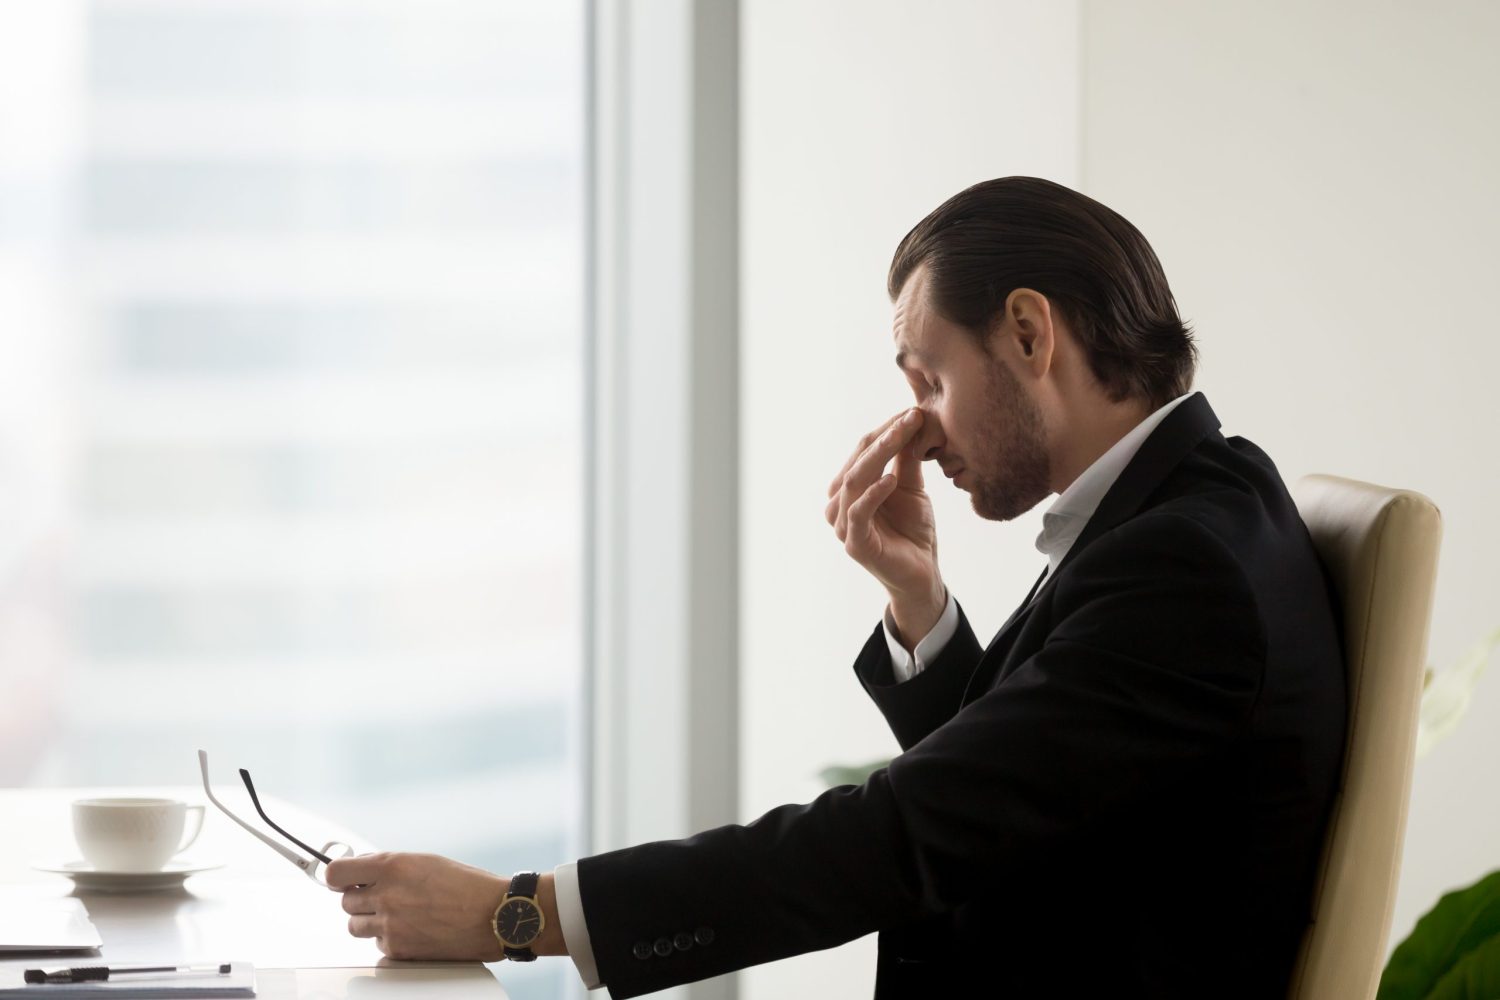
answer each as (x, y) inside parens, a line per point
(101, 973)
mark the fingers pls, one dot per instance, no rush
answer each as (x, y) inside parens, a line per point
(369, 926)
(860, 538)
(864, 443)
(342, 873)
(831, 509)
(373, 927)
(908, 468)
(358, 901)
(869, 466)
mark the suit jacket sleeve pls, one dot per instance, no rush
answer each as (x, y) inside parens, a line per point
(1150, 670)
(915, 707)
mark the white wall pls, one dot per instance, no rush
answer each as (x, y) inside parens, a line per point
(1319, 181)
(858, 119)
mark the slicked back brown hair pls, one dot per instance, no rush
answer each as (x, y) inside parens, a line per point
(1092, 264)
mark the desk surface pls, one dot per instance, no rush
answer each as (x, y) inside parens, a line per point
(258, 908)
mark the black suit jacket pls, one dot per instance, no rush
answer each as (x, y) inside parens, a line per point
(1125, 793)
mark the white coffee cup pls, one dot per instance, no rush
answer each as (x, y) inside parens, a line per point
(132, 834)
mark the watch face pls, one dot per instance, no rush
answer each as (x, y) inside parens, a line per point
(519, 922)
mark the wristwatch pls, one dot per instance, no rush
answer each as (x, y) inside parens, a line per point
(518, 920)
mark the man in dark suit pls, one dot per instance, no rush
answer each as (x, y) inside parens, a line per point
(1124, 793)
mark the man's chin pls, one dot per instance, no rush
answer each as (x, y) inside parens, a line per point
(993, 508)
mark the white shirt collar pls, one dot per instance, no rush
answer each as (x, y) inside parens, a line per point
(1065, 519)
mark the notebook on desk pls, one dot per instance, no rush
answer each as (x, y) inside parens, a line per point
(29, 925)
(240, 982)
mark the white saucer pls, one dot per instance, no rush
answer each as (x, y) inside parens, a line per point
(85, 876)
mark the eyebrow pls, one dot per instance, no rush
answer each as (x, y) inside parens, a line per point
(903, 354)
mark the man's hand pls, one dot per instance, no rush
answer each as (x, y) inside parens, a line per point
(422, 906)
(885, 522)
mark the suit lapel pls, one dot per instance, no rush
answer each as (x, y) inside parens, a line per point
(1017, 614)
(1182, 430)
(1177, 435)
(994, 652)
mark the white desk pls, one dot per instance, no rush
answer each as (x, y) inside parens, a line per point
(258, 908)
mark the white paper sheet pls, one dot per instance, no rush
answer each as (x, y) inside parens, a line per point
(30, 924)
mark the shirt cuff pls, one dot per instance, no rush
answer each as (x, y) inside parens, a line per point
(575, 929)
(906, 665)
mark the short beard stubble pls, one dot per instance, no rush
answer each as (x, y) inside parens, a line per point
(1013, 451)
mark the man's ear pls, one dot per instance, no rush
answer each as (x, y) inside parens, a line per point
(1028, 324)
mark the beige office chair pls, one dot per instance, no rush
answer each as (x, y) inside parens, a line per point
(1380, 546)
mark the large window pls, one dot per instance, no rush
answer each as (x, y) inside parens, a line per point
(291, 408)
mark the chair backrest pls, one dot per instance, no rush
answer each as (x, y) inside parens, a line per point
(1380, 547)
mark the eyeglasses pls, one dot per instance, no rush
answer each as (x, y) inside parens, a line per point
(315, 868)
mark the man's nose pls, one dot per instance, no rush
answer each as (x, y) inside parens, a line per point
(930, 438)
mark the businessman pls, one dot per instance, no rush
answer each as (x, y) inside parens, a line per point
(1123, 793)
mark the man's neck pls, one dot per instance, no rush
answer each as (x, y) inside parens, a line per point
(1091, 441)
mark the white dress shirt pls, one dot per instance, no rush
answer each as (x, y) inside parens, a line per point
(1061, 525)
(575, 930)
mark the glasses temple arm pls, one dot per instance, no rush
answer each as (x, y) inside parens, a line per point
(278, 848)
(245, 775)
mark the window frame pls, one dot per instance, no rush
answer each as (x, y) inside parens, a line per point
(663, 377)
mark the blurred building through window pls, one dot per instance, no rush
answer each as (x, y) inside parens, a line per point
(291, 407)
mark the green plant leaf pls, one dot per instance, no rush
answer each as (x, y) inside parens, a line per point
(1457, 938)
(1475, 977)
(850, 774)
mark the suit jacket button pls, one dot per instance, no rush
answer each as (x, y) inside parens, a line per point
(663, 947)
(642, 949)
(683, 940)
(704, 935)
